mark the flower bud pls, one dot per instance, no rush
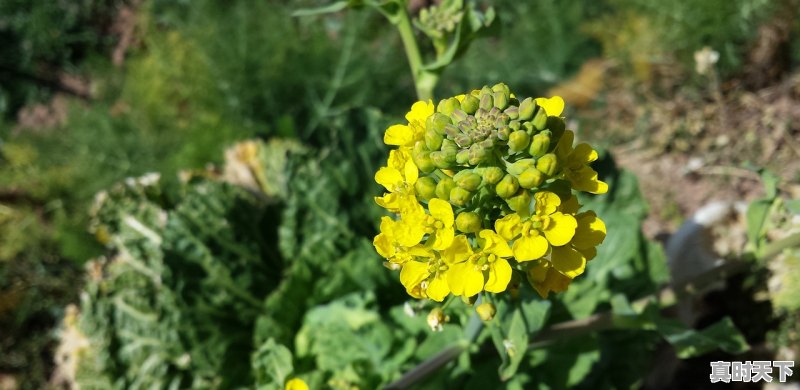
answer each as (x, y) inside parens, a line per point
(492, 175)
(437, 122)
(433, 140)
(426, 187)
(520, 202)
(451, 130)
(500, 100)
(443, 188)
(518, 141)
(447, 106)
(423, 161)
(501, 87)
(539, 120)
(486, 311)
(514, 125)
(540, 144)
(462, 157)
(507, 187)
(437, 319)
(467, 180)
(458, 115)
(531, 178)
(526, 109)
(477, 155)
(470, 104)
(462, 140)
(449, 146)
(548, 164)
(487, 102)
(512, 112)
(503, 133)
(520, 166)
(468, 222)
(459, 196)
(443, 159)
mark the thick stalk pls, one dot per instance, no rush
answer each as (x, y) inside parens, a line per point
(424, 81)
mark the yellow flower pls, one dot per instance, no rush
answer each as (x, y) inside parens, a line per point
(397, 240)
(407, 135)
(590, 232)
(544, 278)
(547, 228)
(472, 272)
(576, 165)
(425, 279)
(398, 177)
(553, 106)
(296, 384)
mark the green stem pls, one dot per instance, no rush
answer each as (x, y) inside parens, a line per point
(424, 81)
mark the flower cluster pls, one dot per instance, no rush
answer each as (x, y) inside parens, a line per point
(482, 187)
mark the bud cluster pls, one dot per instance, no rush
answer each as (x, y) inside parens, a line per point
(483, 186)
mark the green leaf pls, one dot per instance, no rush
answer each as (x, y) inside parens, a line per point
(757, 213)
(514, 345)
(272, 364)
(688, 342)
(325, 9)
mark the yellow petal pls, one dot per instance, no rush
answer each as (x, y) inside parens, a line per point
(398, 135)
(411, 172)
(438, 288)
(408, 234)
(537, 271)
(495, 244)
(585, 179)
(553, 281)
(464, 279)
(508, 227)
(296, 384)
(546, 202)
(591, 231)
(458, 251)
(571, 206)
(383, 244)
(442, 238)
(584, 153)
(564, 147)
(530, 248)
(553, 106)
(442, 211)
(568, 261)
(499, 276)
(397, 159)
(413, 273)
(420, 111)
(389, 178)
(561, 229)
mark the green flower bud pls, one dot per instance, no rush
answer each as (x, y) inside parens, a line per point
(503, 133)
(514, 125)
(458, 116)
(540, 144)
(539, 120)
(443, 188)
(487, 102)
(433, 140)
(443, 159)
(447, 106)
(449, 146)
(501, 87)
(500, 100)
(512, 112)
(492, 175)
(459, 196)
(548, 164)
(426, 187)
(468, 222)
(502, 120)
(468, 180)
(520, 166)
(520, 202)
(531, 178)
(486, 311)
(518, 141)
(423, 161)
(437, 122)
(470, 104)
(477, 154)
(526, 109)
(507, 187)
(462, 157)
(463, 140)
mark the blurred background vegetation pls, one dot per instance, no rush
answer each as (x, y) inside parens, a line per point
(96, 91)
